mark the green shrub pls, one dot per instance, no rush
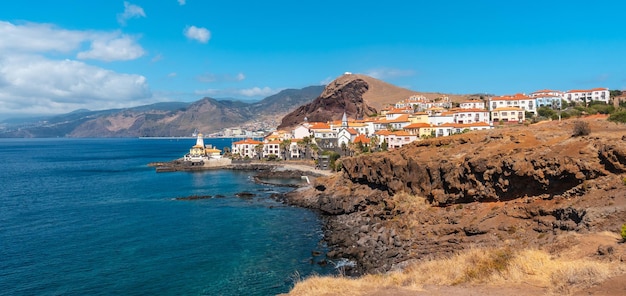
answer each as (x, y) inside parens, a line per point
(618, 117)
(624, 232)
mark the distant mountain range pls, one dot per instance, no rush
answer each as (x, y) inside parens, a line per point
(169, 119)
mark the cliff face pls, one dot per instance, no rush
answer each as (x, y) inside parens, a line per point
(438, 196)
(342, 95)
(358, 95)
(494, 166)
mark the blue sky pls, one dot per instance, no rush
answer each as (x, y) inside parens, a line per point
(63, 55)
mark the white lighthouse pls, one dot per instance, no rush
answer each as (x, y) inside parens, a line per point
(200, 140)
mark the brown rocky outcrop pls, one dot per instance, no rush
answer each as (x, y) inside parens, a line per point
(357, 95)
(342, 95)
(520, 185)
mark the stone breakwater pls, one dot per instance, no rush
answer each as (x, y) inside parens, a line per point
(521, 186)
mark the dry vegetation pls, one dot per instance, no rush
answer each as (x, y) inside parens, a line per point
(525, 261)
(542, 271)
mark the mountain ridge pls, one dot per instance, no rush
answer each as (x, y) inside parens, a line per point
(166, 119)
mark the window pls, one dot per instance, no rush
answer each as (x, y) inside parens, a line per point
(503, 113)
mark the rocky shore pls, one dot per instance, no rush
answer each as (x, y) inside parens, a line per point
(520, 186)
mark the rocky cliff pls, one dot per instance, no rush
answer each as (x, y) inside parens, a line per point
(357, 95)
(342, 95)
(438, 196)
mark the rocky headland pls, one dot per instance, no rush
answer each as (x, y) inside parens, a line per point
(520, 186)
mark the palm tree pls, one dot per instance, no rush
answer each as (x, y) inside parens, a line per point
(258, 149)
(284, 147)
(315, 151)
(344, 148)
(301, 148)
(307, 141)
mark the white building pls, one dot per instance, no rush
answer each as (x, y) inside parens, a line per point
(472, 104)
(468, 115)
(395, 139)
(582, 96)
(527, 104)
(508, 114)
(245, 148)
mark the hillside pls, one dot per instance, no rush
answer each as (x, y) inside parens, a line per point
(523, 187)
(358, 95)
(171, 119)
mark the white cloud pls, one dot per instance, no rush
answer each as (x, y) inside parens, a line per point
(40, 75)
(240, 77)
(171, 75)
(201, 35)
(257, 91)
(31, 37)
(384, 73)
(44, 38)
(34, 84)
(254, 92)
(182, 2)
(116, 49)
(130, 11)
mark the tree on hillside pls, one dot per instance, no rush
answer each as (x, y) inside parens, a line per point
(373, 143)
(384, 145)
(614, 93)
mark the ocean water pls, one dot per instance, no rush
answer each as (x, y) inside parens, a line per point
(89, 217)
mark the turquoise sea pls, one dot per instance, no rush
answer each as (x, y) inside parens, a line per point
(89, 217)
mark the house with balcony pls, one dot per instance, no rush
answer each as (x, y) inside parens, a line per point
(527, 104)
(470, 115)
(587, 96)
(421, 129)
(472, 104)
(395, 139)
(245, 148)
(508, 114)
(440, 118)
(271, 148)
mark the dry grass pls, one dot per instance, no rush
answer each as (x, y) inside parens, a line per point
(497, 267)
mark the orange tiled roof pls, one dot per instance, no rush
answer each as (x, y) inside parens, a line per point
(515, 97)
(418, 125)
(320, 125)
(588, 90)
(362, 139)
(248, 141)
(400, 133)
